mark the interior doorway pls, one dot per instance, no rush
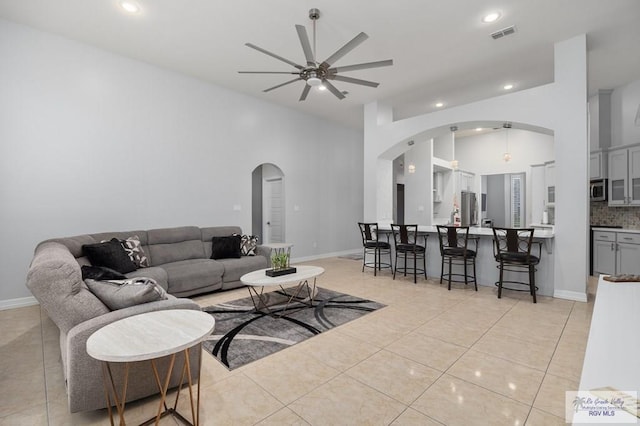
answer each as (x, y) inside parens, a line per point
(267, 203)
(400, 203)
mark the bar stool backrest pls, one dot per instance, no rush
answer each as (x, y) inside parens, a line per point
(369, 232)
(513, 241)
(405, 234)
(453, 237)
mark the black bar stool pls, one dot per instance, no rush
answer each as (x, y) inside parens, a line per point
(454, 241)
(371, 245)
(405, 239)
(512, 250)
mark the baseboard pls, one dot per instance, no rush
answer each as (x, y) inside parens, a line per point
(326, 255)
(17, 303)
(570, 295)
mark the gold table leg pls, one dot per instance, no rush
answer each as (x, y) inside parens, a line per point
(110, 390)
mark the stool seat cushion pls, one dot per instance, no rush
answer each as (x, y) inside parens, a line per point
(410, 248)
(458, 252)
(378, 244)
(520, 258)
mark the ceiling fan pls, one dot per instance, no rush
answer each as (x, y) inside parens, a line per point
(316, 73)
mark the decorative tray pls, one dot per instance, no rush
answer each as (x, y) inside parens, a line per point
(625, 278)
(280, 272)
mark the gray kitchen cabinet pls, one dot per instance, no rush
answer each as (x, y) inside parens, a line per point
(598, 165)
(604, 252)
(624, 176)
(616, 253)
(628, 253)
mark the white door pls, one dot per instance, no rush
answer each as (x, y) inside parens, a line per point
(273, 198)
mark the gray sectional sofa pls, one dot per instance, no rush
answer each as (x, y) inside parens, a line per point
(180, 263)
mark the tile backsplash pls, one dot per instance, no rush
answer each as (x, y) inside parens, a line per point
(627, 217)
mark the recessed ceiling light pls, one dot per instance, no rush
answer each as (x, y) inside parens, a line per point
(478, 129)
(439, 105)
(507, 86)
(130, 6)
(491, 17)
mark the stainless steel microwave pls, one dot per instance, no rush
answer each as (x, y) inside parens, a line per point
(598, 190)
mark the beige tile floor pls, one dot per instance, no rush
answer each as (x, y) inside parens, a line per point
(430, 357)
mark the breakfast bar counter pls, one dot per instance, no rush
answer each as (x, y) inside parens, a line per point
(486, 265)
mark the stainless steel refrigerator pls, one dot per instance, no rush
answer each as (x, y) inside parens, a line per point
(468, 208)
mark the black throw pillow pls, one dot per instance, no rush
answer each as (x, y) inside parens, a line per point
(100, 273)
(110, 254)
(226, 247)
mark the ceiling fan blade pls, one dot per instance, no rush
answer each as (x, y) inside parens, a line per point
(273, 55)
(333, 89)
(355, 42)
(280, 85)
(354, 81)
(267, 72)
(306, 46)
(305, 92)
(364, 66)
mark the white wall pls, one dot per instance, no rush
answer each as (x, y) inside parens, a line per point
(625, 106)
(418, 185)
(560, 107)
(483, 155)
(91, 141)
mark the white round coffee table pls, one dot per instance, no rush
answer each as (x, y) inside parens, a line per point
(147, 337)
(299, 281)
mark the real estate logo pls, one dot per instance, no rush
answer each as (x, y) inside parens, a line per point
(601, 406)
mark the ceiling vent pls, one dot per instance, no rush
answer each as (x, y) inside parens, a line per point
(503, 32)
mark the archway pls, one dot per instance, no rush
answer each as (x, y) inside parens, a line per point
(426, 160)
(267, 203)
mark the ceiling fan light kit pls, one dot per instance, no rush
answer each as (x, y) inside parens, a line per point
(318, 74)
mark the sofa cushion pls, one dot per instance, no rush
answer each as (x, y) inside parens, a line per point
(187, 275)
(175, 244)
(155, 272)
(110, 254)
(235, 268)
(226, 247)
(120, 294)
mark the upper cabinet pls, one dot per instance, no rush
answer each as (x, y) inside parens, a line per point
(598, 165)
(465, 181)
(550, 182)
(624, 176)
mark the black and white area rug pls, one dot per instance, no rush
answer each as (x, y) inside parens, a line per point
(242, 335)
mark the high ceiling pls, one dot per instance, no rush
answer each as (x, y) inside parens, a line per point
(442, 51)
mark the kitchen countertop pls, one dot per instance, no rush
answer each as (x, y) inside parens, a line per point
(627, 230)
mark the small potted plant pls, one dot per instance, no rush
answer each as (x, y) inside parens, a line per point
(280, 265)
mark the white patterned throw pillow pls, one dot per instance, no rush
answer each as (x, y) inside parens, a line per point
(248, 244)
(133, 247)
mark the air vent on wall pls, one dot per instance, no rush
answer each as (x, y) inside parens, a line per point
(503, 32)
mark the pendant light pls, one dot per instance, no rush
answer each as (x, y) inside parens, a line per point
(507, 155)
(454, 162)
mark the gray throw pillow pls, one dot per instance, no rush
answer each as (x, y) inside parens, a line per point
(120, 294)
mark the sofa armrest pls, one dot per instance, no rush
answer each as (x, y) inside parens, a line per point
(84, 373)
(264, 251)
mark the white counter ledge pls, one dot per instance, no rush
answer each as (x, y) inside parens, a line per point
(612, 357)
